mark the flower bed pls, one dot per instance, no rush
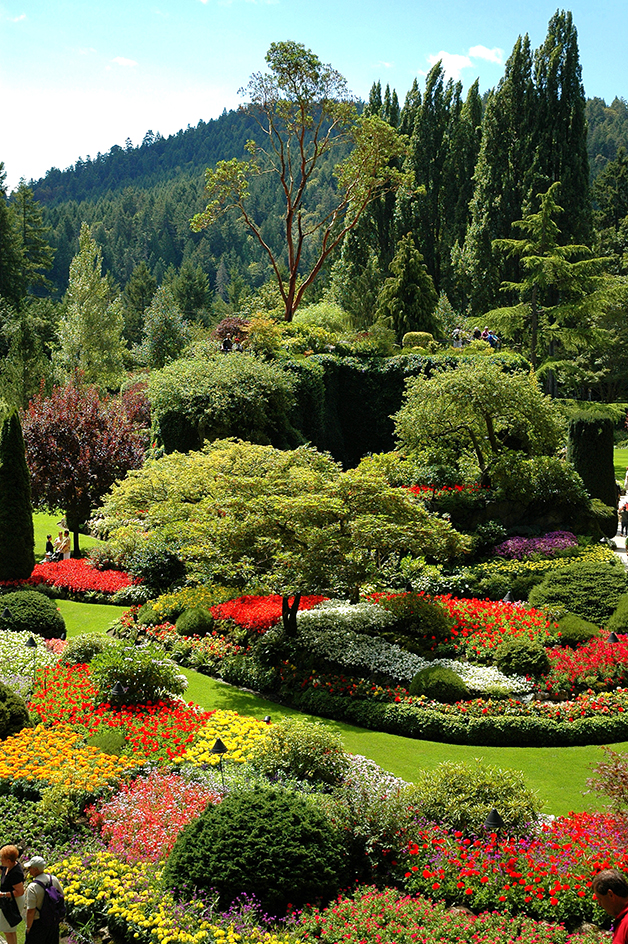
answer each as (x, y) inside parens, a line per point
(518, 548)
(239, 735)
(547, 876)
(156, 732)
(41, 757)
(376, 916)
(142, 821)
(597, 665)
(18, 663)
(258, 613)
(75, 576)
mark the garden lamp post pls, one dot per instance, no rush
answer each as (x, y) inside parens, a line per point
(31, 644)
(508, 598)
(494, 822)
(6, 614)
(220, 749)
(118, 690)
(267, 719)
(612, 638)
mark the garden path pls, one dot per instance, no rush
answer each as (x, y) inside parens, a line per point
(620, 548)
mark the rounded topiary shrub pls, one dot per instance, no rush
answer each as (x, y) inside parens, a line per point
(147, 616)
(419, 625)
(461, 795)
(144, 674)
(307, 750)
(439, 684)
(82, 649)
(31, 611)
(273, 844)
(158, 568)
(13, 712)
(587, 589)
(618, 623)
(574, 630)
(419, 339)
(195, 621)
(522, 657)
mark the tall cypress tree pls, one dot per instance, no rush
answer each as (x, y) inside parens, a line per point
(408, 297)
(10, 254)
(16, 513)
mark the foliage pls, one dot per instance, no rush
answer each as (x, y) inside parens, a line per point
(304, 112)
(459, 796)
(597, 665)
(590, 450)
(16, 514)
(77, 446)
(165, 331)
(439, 684)
(589, 590)
(80, 650)
(482, 409)
(270, 843)
(18, 662)
(522, 657)
(573, 630)
(90, 330)
(156, 566)
(13, 712)
(29, 826)
(300, 749)
(285, 521)
(144, 674)
(203, 399)
(421, 339)
(610, 778)
(195, 621)
(408, 297)
(142, 821)
(420, 624)
(33, 612)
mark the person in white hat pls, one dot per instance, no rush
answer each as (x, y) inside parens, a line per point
(38, 931)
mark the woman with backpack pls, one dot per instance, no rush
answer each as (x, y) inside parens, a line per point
(11, 892)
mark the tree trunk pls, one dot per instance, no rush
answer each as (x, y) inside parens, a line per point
(289, 614)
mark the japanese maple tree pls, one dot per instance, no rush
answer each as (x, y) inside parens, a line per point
(77, 446)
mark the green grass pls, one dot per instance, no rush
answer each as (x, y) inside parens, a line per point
(559, 774)
(621, 463)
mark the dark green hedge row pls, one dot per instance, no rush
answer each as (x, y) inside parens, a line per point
(490, 731)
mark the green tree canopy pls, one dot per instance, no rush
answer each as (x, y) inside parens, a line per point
(480, 409)
(255, 517)
(305, 113)
(408, 297)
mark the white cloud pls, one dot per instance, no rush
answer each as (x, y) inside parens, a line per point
(121, 61)
(495, 55)
(385, 65)
(18, 19)
(453, 64)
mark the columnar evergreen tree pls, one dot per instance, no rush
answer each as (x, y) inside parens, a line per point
(90, 333)
(37, 255)
(137, 296)
(10, 254)
(408, 297)
(16, 513)
(164, 329)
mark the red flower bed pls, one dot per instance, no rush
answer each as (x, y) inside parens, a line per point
(78, 576)
(156, 732)
(142, 821)
(545, 876)
(424, 490)
(258, 613)
(598, 665)
(482, 625)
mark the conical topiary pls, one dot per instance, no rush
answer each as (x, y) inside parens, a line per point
(16, 513)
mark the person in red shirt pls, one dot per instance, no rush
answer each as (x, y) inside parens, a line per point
(611, 892)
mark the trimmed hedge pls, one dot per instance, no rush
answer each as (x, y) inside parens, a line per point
(490, 731)
(32, 611)
(591, 591)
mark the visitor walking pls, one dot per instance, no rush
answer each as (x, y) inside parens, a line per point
(11, 893)
(44, 904)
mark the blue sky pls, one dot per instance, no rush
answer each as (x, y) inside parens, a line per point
(77, 77)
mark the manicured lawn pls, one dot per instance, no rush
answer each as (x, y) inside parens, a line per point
(621, 463)
(49, 524)
(559, 774)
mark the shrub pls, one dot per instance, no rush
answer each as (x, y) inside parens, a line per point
(144, 673)
(421, 339)
(440, 685)
(618, 623)
(26, 824)
(589, 590)
(147, 615)
(13, 712)
(82, 649)
(307, 750)
(574, 630)
(460, 796)
(269, 843)
(604, 517)
(32, 612)
(420, 624)
(522, 657)
(109, 741)
(157, 567)
(195, 621)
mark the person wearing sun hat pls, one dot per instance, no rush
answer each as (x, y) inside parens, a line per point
(40, 931)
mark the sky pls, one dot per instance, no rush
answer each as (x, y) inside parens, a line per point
(77, 78)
